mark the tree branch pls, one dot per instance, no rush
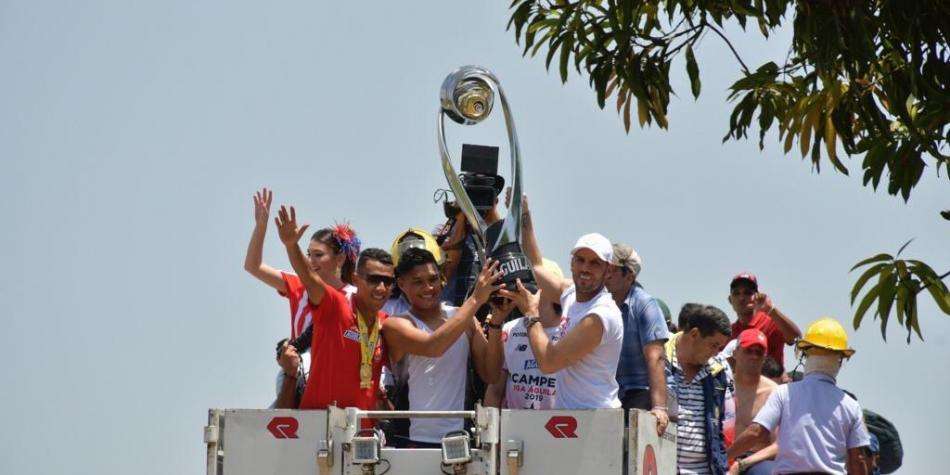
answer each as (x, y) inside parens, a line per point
(729, 43)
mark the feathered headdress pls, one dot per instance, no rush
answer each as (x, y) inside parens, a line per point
(345, 235)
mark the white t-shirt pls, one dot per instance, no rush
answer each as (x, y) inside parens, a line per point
(437, 384)
(591, 382)
(817, 424)
(526, 387)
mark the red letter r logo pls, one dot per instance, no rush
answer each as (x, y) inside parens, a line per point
(562, 427)
(283, 427)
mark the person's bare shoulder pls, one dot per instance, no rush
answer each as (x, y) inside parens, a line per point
(399, 321)
(766, 385)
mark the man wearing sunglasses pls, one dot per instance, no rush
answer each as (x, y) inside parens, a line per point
(641, 372)
(348, 352)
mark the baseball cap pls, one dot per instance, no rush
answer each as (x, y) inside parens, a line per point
(626, 257)
(747, 277)
(752, 337)
(595, 242)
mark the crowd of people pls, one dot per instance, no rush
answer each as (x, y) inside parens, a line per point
(426, 326)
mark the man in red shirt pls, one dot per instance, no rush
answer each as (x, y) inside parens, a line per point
(755, 310)
(348, 353)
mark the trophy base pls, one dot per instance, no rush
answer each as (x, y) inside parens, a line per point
(514, 265)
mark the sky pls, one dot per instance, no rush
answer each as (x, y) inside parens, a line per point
(134, 134)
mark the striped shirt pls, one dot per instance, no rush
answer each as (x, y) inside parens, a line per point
(299, 303)
(691, 423)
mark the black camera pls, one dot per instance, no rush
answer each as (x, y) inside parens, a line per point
(479, 177)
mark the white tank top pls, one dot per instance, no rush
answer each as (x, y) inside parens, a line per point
(437, 384)
(591, 382)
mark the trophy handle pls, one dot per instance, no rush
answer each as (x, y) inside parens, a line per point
(475, 221)
(511, 227)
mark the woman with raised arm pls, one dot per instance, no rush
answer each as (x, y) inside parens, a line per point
(331, 254)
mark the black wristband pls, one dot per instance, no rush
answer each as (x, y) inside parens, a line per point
(490, 325)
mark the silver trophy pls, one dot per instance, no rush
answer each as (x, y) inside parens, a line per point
(467, 97)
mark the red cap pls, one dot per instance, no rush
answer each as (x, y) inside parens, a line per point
(752, 337)
(746, 276)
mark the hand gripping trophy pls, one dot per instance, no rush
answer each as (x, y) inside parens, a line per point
(467, 97)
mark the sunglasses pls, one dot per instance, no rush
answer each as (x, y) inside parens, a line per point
(376, 279)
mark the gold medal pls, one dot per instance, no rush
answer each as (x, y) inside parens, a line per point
(366, 376)
(368, 340)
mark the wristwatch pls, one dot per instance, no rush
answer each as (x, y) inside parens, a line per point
(530, 321)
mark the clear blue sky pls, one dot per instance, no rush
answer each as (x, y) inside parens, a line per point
(133, 134)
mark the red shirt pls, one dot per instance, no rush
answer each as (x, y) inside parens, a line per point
(335, 356)
(299, 310)
(763, 322)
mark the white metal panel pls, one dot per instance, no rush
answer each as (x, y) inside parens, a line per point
(649, 453)
(261, 442)
(422, 462)
(585, 442)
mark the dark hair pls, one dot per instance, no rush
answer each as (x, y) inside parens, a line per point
(771, 368)
(708, 320)
(326, 236)
(412, 258)
(682, 322)
(376, 254)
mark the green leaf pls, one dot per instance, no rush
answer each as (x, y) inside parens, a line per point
(888, 289)
(899, 251)
(552, 48)
(901, 302)
(877, 258)
(566, 50)
(945, 214)
(865, 304)
(939, 293)
(693, 70)
(914, 323)
(642, 112)
(808, 125)
(831, 138)
(874, 270)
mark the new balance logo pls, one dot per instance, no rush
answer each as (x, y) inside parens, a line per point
(522, 347)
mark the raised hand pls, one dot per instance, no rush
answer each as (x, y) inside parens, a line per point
(289, 359)
(488, 282)
(287, 229)
(262, 201)
(529, 303)
(762, 303)
(525, 214)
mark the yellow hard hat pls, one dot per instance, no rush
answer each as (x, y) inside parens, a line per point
(826, 333)
(418, 238)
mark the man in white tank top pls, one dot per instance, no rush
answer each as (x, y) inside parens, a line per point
(436, 341)
(585, 357)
